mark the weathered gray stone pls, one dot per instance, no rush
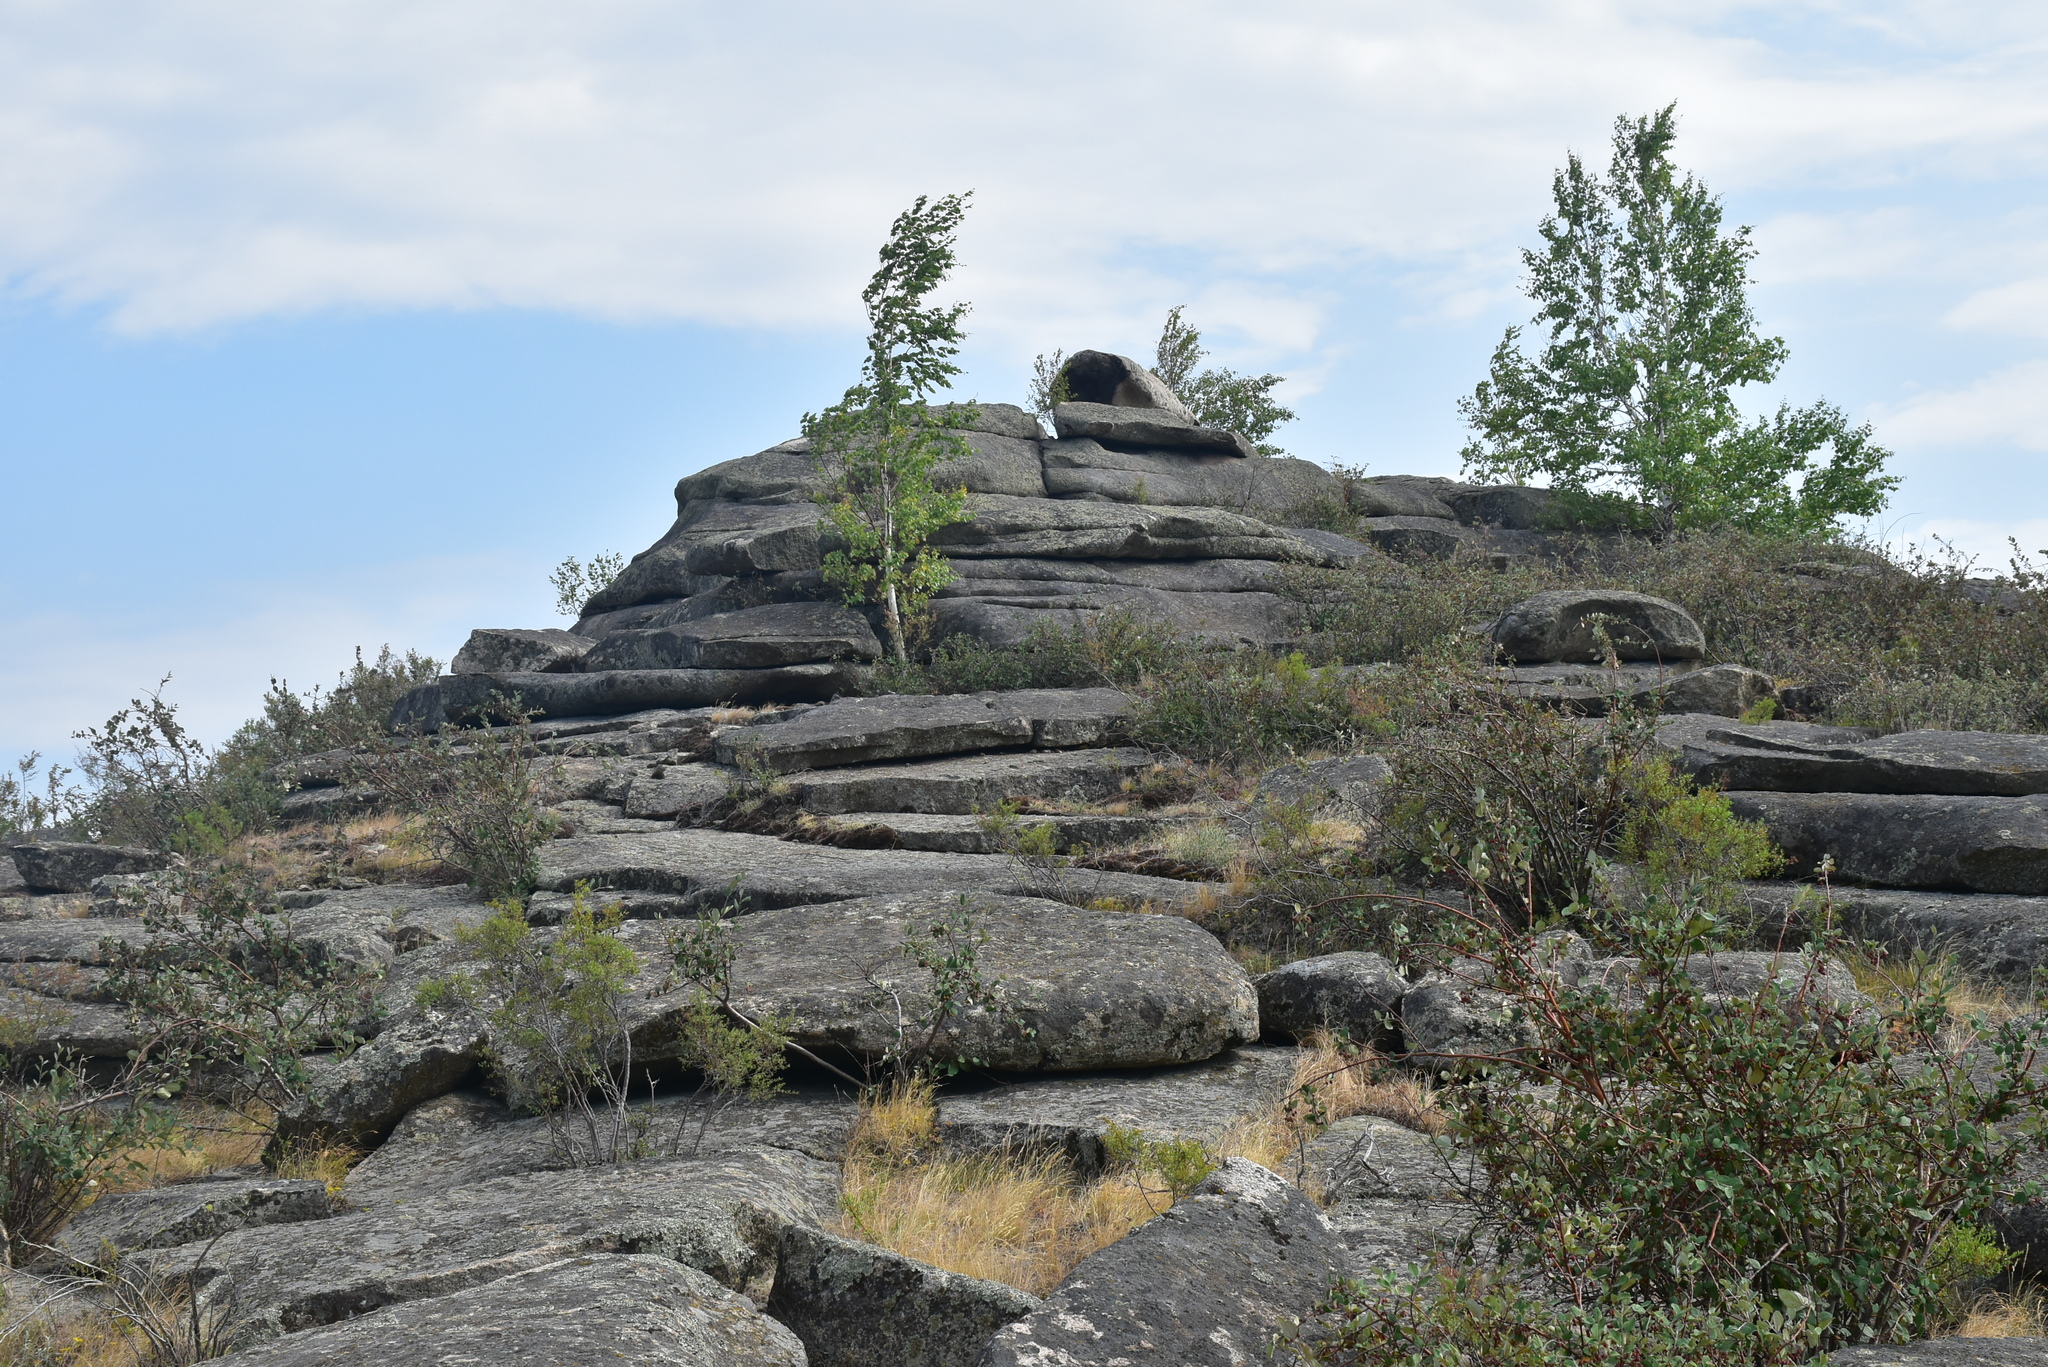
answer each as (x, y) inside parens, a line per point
(512, 650)
(621, 690)
(1341, 549)
(1253, 620)
(1069, 529)
(1000, 464)
(1072, 1115)
(65, 866)
(12, 884)
(784, 473)
(1099, 377)
(965, 784)
(692, 869)
(1413, 538)
(77, 940)
(1725, 690)
(1450, 1023)
(1356, 992)
(1275, 484)
(1209, 1282)
(185, 1213)
(722, 1216)
(422, 1054)
(1086, 989)
(1395, 1197)
(1154, 427)
(680, 788)
(1990, 936)
(910, 726)
(976, 835)
(1789, 757)
(1558, 625)
(1513, 506)
(329, 804)
(1736, 977)
(589, 1311)
(856, 1305)
(403, 915)
(767, 637)
(60, 1026)
(465, 1137)
(1358, 783)
(1051, 578)
(711, 538)
(1971, 844)
(1392, 496)
(2023, 1352)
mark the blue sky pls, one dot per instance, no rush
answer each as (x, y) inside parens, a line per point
(338, 324)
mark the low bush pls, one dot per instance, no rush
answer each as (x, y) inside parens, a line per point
(1247, 707)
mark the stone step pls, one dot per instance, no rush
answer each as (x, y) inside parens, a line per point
(966, 784)
(687, 870)
(972, 835)
(1990, 936)
(615, 691)
(916, 726)
(1968, 844)
(1790, 757)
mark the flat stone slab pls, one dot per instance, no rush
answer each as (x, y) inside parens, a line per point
(911, 726)
(1070, 1115)
(1394, 1195)
(1563, 625)
(1969, 844)
(966, 784)
(595, 1310)
(467, 1137)
(1991, 936)
(1146, 427)
(1778, 758)
(1207, 1284)
(430, 706)
(1069, 529)
(971, 835)
(187, 1212)
(856, 1305)
(61, 866)
(722, 1216)
(766, 637)
(1085, 989)
(689, 869)
(88, 1029)
(2027, 1352)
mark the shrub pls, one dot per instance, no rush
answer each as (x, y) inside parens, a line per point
(946, 948)
(23, 810)
(477, 792)
(1247, 707)
(1113, 647)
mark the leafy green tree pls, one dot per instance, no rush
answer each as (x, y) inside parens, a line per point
(1218, 397)
(880, 444)
(1650, 333)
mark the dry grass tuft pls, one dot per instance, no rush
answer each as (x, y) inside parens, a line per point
(213, 1139)
(327, 1163)
(1888, 978)
(2020, 1316)
(1020, 1219)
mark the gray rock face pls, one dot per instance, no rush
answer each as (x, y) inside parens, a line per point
(1358, 993)
(60, 1025)
(911, 726)
(1085, 468)
(423, 1054)
(1990, 936)
(1007, 621)
(1088, 989)
(1970, 844)
(767, 637)
(511, 650)
(680, 788)
(611, 692)
(1143, 427)
(1450, 1024)
(1557, 626)
(696, 868)
(1414, 538)
(1737, 977)
(187, 1212)
(1359, 784)
(1790, 757)
(1395, 497)
(1209, 1282)
(1513, 506)
(1069, 529)
(722, 1216)
(1072, 1115)
(717, 538)
(589, 1311)
(970, 835)
(62, 866)
(1946, 1353)
(1394, 1195)
(1098, 377)
(1725, 690)
(856, 1305)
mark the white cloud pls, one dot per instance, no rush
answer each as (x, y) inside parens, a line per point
(1987, 544)
(2007, 407)
(205, 162)
(2019, 307)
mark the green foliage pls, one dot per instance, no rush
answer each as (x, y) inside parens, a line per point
(147, 773)
(223, 983)
(23, 809)
(946, 949)
(1113, 647)
(1461, 1317)
(1689, 844)
(478, 792)
(1179, 1165)
(880, 444)
(1048, 384)
(1216, 397)
(1249, 707)
(1788, 1154)
(576, 583)
(1036, 848)
(1650, 333)
(62, 1133)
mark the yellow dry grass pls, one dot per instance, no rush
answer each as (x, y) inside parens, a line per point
(1020, 1219)
(381, 848)
(213, 1138)
(2020, 1316)
(1889, 978)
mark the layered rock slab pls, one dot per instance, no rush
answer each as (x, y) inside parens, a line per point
(590, 1311)
(1969, 844)
(1565, 626)
(187, 1212)
(1207, 1284)
(1990, 936)
(1778, 758)
(915, 726)
(723, 1217)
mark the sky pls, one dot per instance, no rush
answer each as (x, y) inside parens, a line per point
(336, 324)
